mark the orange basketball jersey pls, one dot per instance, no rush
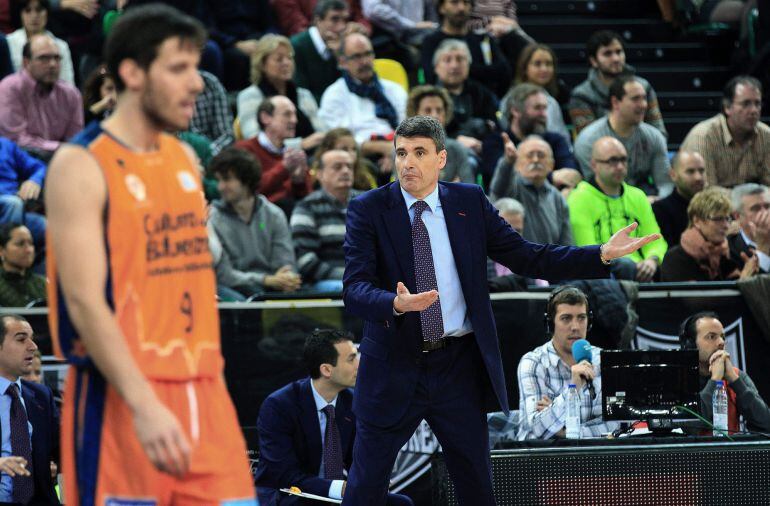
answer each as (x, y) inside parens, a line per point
(160, 283)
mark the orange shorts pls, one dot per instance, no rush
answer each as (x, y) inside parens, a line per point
(105, 465)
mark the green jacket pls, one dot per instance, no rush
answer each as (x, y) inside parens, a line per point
(595, 217)
(18, 290)
(310, 70)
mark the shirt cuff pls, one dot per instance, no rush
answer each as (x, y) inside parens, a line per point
(335, 489)
(395, 313)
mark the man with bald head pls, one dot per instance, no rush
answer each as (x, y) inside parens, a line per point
(605, 203)
(318, 223)
(688, 172)
(545, 207)
(285, 177)
(363, 103)
(38, 110)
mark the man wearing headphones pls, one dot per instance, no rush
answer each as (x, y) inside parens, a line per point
(545, 373)
(703, 331)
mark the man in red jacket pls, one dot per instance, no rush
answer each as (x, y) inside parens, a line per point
(285, 176)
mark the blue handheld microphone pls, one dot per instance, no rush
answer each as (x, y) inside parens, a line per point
(581, 350)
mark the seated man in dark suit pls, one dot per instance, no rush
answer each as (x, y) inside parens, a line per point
(25, 466)
(751, 202)
(306, 428)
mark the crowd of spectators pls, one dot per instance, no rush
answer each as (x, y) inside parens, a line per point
(296, 118)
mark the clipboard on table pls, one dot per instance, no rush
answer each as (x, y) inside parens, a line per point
(310, 496)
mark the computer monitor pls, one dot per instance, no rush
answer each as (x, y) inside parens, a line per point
(648, 385)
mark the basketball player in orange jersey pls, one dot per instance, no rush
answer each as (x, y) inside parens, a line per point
(147, 419)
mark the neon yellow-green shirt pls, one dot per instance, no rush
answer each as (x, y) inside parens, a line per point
(595, 216)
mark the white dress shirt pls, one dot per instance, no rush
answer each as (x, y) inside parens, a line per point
(335, 489)
(340, 108)
(454, 312)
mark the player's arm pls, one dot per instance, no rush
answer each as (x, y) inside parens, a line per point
(76, 195)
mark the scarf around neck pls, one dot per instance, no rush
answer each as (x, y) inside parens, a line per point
(707, 254)
(373, 91)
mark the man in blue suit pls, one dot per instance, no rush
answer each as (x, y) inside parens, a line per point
(415, 264)
(26, 462)
(298, 446)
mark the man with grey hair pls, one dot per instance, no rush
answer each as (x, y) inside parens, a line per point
(488, 63)
(751, 203)
(546, 208)
(499, 277)
(512, 212)
(734, 143)
(363, 103)
(474, 122)
(526, 111)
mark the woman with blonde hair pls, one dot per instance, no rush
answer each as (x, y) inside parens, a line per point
(703, 253)
(341, 138)
(272, 71)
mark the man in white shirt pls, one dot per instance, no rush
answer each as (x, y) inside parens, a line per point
(368, 106)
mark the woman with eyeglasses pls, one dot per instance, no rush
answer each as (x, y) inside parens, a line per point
(32, 17)
(703, 253)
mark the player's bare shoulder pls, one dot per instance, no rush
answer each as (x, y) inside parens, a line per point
(74, 175)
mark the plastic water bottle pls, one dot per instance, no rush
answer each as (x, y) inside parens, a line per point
(573, 412)
(719, 408)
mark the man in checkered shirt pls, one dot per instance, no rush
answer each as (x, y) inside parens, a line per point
(545, 373)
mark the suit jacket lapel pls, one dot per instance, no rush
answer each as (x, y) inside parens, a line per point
(33, 407)
(310, 425)
(344, 422)
(399, 229)
(458, 228)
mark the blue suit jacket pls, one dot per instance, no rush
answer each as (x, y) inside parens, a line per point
(379, 254)
(290, 449)
(44, 417)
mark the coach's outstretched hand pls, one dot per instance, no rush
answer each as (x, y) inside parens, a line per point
(621, 243)
(406, 301)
